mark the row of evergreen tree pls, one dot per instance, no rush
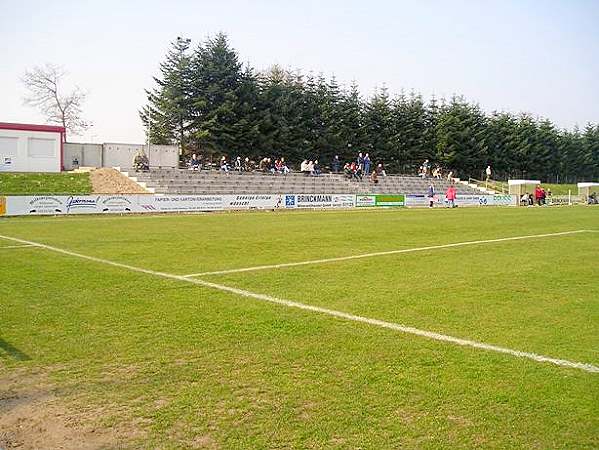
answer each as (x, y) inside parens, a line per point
(207, 102)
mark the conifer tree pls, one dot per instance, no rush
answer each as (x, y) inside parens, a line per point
(166, 116)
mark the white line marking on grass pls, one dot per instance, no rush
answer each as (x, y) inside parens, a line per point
(330, 312)
(16, 246)
(389, 252)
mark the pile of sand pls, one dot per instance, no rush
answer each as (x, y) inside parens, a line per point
(111, 181)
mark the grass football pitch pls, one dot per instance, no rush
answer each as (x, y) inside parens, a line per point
(464, 328)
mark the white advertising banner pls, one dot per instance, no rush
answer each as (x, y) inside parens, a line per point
(504, 200)
(254, 201)
(462, 200)
(365, 200)
(421, 200)
(73, 204)
(123, 204)
(320, 200)
(182, 203)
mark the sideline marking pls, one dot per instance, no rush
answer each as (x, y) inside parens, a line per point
(389, 252)
(330, 312)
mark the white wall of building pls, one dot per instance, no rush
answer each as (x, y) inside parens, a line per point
(29, 151)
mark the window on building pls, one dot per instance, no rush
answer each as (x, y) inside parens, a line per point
(41, 148)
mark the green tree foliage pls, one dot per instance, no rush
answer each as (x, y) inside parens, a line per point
(207, 102)
(167, 114)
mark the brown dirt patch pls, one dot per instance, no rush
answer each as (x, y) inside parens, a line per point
(111, 181)
(34, 415)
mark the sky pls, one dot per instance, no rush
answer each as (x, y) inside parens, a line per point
(535, 56)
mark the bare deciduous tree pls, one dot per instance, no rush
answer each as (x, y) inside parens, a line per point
(45, 93)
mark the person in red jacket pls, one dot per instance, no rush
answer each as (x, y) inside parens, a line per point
(539, 194)
(450, 196)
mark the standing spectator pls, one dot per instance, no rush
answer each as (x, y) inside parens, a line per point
(431, 195)
(538, 195)
(543, 197)
(360, 161)
(450, 196)
(488, 172)
(336, 164)
(367, 164)
(450, 175)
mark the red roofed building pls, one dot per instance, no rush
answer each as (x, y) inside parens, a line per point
(31, 148)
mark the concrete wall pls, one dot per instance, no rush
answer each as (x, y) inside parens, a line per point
(29, 151)
(166, 156)
(119, 155)
(88, 155)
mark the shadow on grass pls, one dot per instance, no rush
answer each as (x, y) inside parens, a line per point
(7, 350)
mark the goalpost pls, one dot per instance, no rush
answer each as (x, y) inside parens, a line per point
(521, 187)
(586, 189)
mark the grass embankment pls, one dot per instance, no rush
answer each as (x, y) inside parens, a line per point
(45, 183)
(556, 189)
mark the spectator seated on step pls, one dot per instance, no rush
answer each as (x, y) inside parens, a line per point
(284, 168)
(141, 163)
(224, 165)
(238, 165)
(374, 178)
(316, 170)
(356, 171)
(194, 162)
(347, 172)
(248, 166)
(304, 168)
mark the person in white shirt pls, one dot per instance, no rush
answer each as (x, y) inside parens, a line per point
(488, 172)
(304, 167)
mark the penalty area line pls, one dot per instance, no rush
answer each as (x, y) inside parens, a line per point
(383, 253)
(325, 311)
